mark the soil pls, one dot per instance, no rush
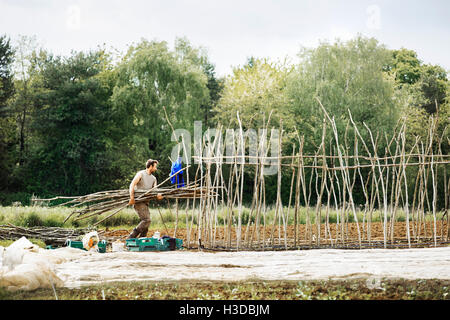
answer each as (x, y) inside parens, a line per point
(349, 236)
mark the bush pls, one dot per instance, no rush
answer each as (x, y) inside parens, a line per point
(167, 217)
(53, 222)
(351, 217)
(7, 199)
(332, 218)
(245, 217)
(33, 220)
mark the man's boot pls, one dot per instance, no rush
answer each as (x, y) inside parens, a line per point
(143, 234)
(133, 234)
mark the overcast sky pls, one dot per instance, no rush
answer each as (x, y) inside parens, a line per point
(232, 30)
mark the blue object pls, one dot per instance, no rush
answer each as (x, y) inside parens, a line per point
(178, 178)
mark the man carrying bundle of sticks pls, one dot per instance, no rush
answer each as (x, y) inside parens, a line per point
(143, 180)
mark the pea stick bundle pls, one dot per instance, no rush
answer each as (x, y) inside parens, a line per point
(104, 201)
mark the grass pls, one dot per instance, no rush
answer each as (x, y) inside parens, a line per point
(398, 289)
(30, 216)
(6, 243)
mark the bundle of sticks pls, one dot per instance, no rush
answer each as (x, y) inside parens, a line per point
(105, 201)
(50, 235)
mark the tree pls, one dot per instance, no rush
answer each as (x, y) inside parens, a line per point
(151, 77)
(7, 131)
(71, 122)
(427, 83)
(6, 75)
(254, 90)
(405, 66)
(344, 76)
(433, 83)
(25, 84)
(199, 57)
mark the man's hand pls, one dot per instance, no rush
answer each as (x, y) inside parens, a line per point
(131, 201)
(159, 196)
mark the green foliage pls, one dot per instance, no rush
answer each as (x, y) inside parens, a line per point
(427, 84)
(6, 75)
(421, 91)
(434, 84)
(199, 58)
(79, 124)
(6, 243)
(405, 66)
(345, 77)
(151, 77)
(71, 155)
(254, 90)
(7, 125)
(122, 219)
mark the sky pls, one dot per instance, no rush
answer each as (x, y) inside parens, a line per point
(231, 31)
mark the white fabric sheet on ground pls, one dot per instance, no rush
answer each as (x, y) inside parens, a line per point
(24, 266)
(282, 265)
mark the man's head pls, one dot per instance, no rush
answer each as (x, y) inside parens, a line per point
(151, 165)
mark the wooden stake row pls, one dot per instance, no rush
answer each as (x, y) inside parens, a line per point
(408, 178)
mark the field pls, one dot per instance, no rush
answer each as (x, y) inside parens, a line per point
(235, 283)
(120, 225)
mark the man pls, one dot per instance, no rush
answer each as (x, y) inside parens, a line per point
(143, 180)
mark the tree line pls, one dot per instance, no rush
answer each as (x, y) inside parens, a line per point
(86, 122)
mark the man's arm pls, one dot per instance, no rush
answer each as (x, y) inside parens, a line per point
(133, 184)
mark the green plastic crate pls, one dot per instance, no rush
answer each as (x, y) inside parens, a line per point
(151, 244)
(79, 245)
(143, 244)
(178, 244)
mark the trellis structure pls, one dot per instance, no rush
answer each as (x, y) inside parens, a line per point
(402, 206)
